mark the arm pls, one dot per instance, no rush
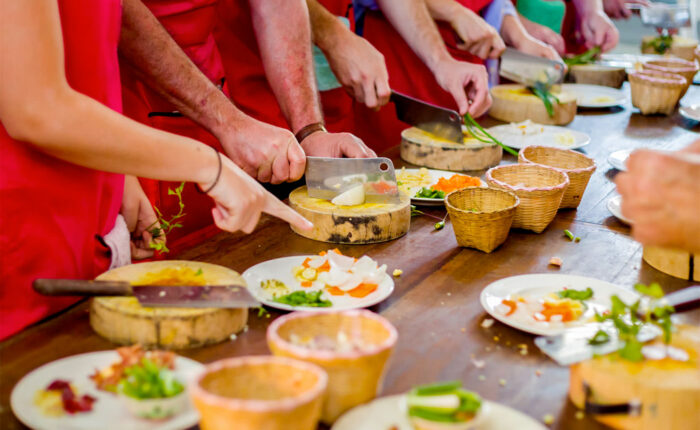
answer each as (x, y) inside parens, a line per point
(544, 34)
(466, 82)
(265, 152)
(479, 37)
(284, 37)
(595, 26)
(515, 35)
(359, 67)
(38, 106)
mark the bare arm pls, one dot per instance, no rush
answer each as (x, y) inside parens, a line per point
(39, 107)
(595, 26)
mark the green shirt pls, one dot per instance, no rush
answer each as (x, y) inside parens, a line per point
(325, 78)
(549, 13)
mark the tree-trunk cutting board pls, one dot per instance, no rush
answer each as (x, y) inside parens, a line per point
(427, 150)
(516, 103)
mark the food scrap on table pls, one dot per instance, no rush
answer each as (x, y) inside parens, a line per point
(556, 261)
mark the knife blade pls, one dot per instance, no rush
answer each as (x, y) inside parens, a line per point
(572, 346)
(530, 70)
(327, 178)
(181, 296)
(666, 16)
(444, 123)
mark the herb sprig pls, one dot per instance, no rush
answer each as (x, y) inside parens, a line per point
(660, 44)
(438, 225)
(584, 58)
(478, 133)
(162, 227)
(545, 94)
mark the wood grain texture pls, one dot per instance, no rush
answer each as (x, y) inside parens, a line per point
(435, 304)
(514, 103)
(425, 150)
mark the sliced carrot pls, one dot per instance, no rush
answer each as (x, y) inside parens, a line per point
(456, 182)
(511, 305)
(334, 291)
(325, 267)
(362, 290)
(305, 264)
(307, 284)
(337, 251)
(322, 253)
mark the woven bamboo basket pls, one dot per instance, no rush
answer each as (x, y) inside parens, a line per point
(577, 167)
(481, 217)
(539, 188)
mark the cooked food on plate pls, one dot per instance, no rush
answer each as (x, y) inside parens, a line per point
(424, 184)
(61, 397)
(443, 406)
(564, 306)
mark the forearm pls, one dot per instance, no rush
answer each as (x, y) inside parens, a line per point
(587, 7)
(512, 31)
(443, 10)
(413, 21)
(157, 59)
(326, 28)
(284, 37)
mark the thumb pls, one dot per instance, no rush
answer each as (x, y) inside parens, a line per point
(460, 97)
(276, 208)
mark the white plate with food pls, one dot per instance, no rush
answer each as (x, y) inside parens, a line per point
(691, 112)
(615, 208)
(428, 187)
(108, 411)
(618, 159)
(521, 134)
(329, 281)
(596, 96)
(547, 304)
(388, 413)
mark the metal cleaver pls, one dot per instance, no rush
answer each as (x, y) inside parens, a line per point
(530, 70)
(181, 296)
(444, 123)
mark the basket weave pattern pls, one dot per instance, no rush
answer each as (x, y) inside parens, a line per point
(577, 167)
(539, 188)
(481, 217)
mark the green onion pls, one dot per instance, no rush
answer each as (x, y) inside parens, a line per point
(579, 295)
(569, 234)
(473, 126)
(584, 58)
(435, 389)
(599, 338)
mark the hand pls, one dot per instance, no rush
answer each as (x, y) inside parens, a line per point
(140, 219)
(661, 195)
(336, 145)
(617, 9)
(597, 30)
(544, 34)
(240, 200)
(532, 46)
(361, 69)
(265, 152)
(468, 84)
(478, 37)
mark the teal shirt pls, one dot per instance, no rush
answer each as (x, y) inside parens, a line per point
(325, 78)
(549, 13)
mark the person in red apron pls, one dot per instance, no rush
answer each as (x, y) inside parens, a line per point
(60, 133)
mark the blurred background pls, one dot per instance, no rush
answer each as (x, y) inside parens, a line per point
(632, 30)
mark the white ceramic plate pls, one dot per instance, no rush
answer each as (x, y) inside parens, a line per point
(691, 112)
(436, 175)
(615, 208)
(108, 411)
(281, 269)
(627, 61)
(537, 285)
(549, 137)
(618, 159)
(596, 96)
(387, 412)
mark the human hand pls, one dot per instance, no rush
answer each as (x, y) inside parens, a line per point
(478, 37)
(661, 195)
(240, 200)
(140, 219)
(361, 69)
(265, 152)
(544, 34)
(468, 84)
(532, 46)
(597, 30)
(336, 145)
(618, 9)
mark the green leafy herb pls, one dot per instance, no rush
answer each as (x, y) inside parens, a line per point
(579, 295)
(262, 312)
(163, 227)
(147, 380)
(429, 193)
(584, 58)
(599, 338)
(303, 298)
(652, 290)
(545, 94)
(199, 272)
(478, 133)
(660, 44)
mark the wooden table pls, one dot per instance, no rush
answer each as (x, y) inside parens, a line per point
(436, 302)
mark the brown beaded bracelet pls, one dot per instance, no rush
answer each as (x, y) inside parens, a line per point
(308, 130)
(218, 174)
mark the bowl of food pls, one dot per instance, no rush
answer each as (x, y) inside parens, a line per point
(539, 188)
(352, 346)
(256, 392)
(578, 167)
(444, 406)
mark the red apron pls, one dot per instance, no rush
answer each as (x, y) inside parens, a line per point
(245, 74)
(407, 74)
(51, 210)
(190, 23)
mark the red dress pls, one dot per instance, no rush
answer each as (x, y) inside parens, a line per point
(407, 74)
(52, 210)
(191, 24)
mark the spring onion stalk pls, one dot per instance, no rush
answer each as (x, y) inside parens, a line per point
(471, 124)
(584, 58)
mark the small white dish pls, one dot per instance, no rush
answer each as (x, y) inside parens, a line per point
(596, 96)
(387, 412)
(618, 159)
(540, 285)
(615, 208)
(109, 412)
(435, 175)
(281, 269)
(691, 112)
(155, 409)
(551, 136)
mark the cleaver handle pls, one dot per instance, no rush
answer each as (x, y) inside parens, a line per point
(684, 300)
(79, 287)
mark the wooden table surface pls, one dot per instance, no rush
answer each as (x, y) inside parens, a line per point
(436, 302)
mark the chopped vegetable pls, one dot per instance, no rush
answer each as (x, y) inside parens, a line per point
(584, 58)
(456, 182)
(430, 193)
(60, 397)
(274, 287)
(443, 402)
(302, 298)
(564, 310)
(572, 294)
(397, 272)
(556, 261)
(108, 378)
(571, 236)
(511, 304)
(599, 338)
(439, 225)
(478, 133)
(148, 380)
(162, 227)
(352, 197)
(660, 44)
